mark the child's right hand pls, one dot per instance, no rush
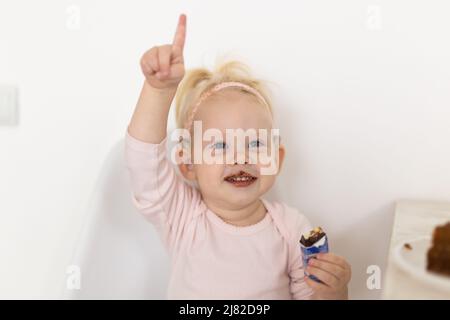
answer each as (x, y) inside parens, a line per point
(163, 66)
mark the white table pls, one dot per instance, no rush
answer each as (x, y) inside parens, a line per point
(413, 219)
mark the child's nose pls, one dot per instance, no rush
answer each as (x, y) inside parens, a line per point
(241, 157)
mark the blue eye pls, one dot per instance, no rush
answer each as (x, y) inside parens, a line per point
(255, 144)
(219, 145)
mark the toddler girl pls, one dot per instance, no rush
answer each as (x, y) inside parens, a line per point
(225, 241)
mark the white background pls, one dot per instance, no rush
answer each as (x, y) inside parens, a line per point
(361, 89)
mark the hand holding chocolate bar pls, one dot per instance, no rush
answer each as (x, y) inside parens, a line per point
(326, 273)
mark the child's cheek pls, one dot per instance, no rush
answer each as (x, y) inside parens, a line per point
(265, 183)
(209, 175)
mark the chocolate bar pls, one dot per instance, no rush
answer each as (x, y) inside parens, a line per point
(311, 244)
(314, 235)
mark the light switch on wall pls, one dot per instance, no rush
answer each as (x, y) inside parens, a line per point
(9, 114)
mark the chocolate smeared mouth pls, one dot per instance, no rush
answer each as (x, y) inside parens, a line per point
(314, 235)
(240, 177)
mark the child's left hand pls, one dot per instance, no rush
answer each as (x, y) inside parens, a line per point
(334, 272)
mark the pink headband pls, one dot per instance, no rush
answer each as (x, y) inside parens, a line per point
(216, 88)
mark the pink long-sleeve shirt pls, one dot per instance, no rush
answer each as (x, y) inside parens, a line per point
(211, 259)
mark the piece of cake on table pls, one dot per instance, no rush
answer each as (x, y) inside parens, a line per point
(438, 256)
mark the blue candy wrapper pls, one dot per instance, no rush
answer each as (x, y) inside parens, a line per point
(320, 246)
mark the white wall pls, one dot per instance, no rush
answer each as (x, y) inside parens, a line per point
(364, 104)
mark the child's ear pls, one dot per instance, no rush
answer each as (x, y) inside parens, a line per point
(281, 154)
(187, 170)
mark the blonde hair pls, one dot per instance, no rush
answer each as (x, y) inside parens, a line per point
(198, 80)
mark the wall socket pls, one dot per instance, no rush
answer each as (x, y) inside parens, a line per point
(9, 113)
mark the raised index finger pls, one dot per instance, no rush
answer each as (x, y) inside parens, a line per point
(180, 36)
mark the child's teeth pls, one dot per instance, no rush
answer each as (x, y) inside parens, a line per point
(240, 179)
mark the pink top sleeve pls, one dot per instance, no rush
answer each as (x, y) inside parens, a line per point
(158, 192)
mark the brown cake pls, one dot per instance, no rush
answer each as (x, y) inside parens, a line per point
(438, 257)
